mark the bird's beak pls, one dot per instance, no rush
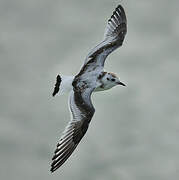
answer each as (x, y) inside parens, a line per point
(120, 83)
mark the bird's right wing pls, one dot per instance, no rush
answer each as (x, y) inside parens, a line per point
(82, 112)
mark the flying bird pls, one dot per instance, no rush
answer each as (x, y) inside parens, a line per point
(91, 78)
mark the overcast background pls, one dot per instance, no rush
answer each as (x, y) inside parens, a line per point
(134, 134)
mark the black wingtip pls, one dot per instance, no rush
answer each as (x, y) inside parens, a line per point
(52, 170)
(119, 7)
(57, 85)
(121, 12)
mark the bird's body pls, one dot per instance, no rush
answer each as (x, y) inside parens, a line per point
(91, 78)
(102, 83)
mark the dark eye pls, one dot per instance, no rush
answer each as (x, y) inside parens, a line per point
(108, 79)
(112, 79)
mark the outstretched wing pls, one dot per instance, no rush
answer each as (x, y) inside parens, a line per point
(114, 35)
(82, 112)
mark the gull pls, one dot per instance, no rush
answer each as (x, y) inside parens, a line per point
(91, 78)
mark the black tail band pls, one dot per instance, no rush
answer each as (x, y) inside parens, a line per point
(57, 85)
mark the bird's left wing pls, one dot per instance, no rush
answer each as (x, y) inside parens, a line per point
(82, 112)
(114, 35)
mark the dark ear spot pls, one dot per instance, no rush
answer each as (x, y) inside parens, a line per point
(100, 76)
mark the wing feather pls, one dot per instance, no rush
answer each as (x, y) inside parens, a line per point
(115, 24)
(82, 112)
(114, 35)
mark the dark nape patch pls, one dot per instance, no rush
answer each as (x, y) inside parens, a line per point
(57, 85)
(102, 75)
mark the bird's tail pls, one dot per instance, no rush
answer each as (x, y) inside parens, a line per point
(63, 84)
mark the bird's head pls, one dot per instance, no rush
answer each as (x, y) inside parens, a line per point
(110, 80)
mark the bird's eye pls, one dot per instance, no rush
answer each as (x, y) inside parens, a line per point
(108, 79)
(113, 79)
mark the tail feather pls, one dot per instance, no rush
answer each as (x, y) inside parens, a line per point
(63, 84)
(57, 85)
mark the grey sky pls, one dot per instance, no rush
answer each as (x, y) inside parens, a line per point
(134, 133)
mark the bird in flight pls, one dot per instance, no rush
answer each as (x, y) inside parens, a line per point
(91, 78)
